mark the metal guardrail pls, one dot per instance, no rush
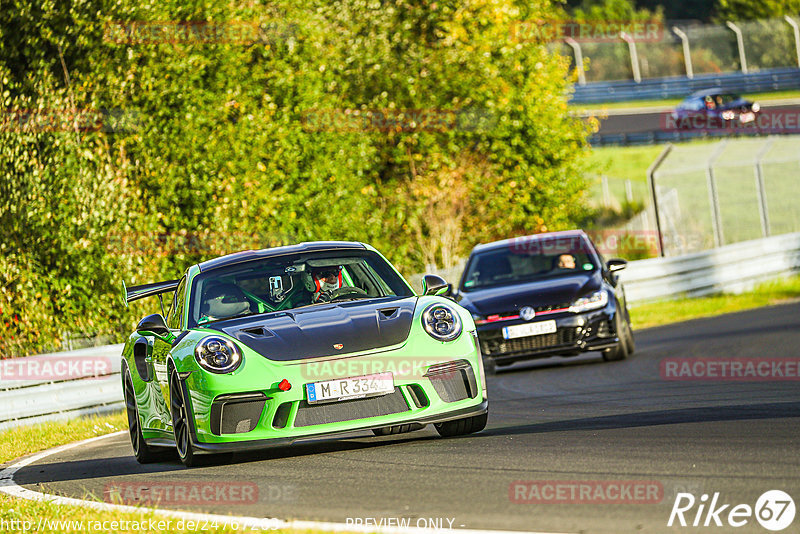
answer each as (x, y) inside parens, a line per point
(60, 385)
(732, 268)
(681, 86)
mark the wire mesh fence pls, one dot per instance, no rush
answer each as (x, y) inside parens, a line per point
(714, 194)
(682, 49)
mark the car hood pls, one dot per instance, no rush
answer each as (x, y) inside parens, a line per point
(324, 329)
(550, 292)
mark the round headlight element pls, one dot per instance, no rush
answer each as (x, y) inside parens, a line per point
(218, 355)
(441, 322)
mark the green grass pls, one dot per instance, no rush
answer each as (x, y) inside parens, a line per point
(42, 516)
(28, 439)
(769, 293)
(671, 102)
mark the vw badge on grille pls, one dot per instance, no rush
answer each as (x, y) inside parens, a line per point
(527, 313)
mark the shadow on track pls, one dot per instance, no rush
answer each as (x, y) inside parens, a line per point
(126, 465)
(661, 417)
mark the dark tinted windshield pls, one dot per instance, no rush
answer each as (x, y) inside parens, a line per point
(291, 281)
(529, 260)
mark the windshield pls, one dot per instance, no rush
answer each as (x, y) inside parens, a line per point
(533, 259)
(291, 281)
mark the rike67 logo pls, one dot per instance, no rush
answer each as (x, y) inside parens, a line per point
(774, 510)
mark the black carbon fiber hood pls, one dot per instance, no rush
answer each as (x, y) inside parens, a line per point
(317, 331)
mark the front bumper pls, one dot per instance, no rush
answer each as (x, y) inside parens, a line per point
(575, 333)
(251, 412)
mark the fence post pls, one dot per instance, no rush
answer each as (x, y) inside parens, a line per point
(606, 191)
(740, 44)
(796, 29)
(637, 75)
(629, 191)
(651, 170)
(687, 57)
(761, 191)
(716, 220)
(576, 49)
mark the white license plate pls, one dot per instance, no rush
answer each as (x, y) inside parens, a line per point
(350, 388)
(747, 117)
(529, 329)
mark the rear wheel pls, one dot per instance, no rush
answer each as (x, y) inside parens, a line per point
(459, 427)
(180, 421)
(397, 429)
(141, 450)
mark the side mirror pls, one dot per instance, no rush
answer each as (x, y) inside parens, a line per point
(153, 325)
(616, 264)
(434, 285)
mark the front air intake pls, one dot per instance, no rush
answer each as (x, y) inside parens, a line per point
(236, 414)
(453, 381)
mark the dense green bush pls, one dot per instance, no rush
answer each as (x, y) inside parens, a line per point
(207, 147)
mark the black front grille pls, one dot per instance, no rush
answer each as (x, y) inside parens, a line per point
(493, 346)
(334, 412)
(236, 414)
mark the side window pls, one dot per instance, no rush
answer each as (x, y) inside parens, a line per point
(176, 312)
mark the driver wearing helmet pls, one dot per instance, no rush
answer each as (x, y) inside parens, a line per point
(326, 280)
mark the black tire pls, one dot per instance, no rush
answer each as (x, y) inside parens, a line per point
(629, 334)
(143, 453)
(180, 422)
(397, 429)
(489, 365)
(460, 427)
(621, 351)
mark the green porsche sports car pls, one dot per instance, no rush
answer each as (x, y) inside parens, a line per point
(268, 347)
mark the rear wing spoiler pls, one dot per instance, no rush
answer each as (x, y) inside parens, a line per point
(148, 290)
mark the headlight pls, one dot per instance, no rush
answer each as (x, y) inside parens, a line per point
(217, 355)
(596, 300)
(755, 107)
(441, 322)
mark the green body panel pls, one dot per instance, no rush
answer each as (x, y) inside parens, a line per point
(408, 361)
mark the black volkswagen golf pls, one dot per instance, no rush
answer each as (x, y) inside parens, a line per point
(545, 295)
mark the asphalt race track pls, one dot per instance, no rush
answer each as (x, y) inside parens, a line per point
(648, 120)
(578, 419)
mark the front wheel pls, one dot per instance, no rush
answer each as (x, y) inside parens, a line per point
(460, 427)
(180, 422)
(626, 346)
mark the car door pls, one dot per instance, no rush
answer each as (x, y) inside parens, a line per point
(162, 348)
